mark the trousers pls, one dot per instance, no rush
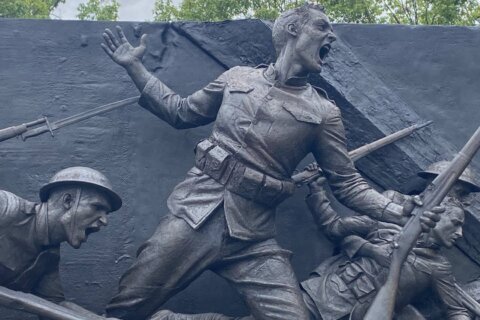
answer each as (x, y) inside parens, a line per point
(176, 254)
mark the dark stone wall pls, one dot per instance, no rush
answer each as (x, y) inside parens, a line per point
(57, 68)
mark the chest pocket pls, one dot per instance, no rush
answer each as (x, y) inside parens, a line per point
(237, 87)
(301, 109)
(300, 112)
(238, 94)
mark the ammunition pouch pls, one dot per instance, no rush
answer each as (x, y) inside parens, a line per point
(357, 280)
(238, 178)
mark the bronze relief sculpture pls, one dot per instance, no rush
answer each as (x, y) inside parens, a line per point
(266, 120)
(222, 215)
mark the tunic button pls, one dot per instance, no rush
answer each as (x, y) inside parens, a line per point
(269, 97)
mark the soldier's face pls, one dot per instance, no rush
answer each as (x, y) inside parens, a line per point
(449, 228)
(313, 42)
(89, 217)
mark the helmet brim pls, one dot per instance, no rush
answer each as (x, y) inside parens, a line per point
(429, 175)
(114, 199)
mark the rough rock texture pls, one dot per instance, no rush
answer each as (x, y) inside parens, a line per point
(384, 78)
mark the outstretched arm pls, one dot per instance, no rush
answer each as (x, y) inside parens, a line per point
(196, 110)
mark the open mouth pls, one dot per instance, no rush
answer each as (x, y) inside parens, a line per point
(324, 50)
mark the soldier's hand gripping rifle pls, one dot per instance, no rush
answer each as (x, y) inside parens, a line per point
(306, 176)
(384, 302)
(28, 130)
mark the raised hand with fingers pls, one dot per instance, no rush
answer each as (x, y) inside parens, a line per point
(120, 50)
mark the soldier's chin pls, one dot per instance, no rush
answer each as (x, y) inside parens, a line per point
(77, 241)
(316, 66)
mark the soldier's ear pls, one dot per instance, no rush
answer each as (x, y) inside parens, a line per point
(292, 29)
(67, 201)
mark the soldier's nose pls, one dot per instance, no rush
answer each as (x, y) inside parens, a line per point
(459, 233)
(332, 37)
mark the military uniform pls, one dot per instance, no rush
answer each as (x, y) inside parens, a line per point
(222, 214)
(348, 281)
(27, 262)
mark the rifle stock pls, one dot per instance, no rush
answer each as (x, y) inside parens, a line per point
(384, 302)
(14, 131)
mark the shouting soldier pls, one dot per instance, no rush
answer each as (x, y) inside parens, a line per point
(74, 204)
(266, 120)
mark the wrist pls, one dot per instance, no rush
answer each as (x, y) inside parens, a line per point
(132, 65)
(392, 213)
(367, 250)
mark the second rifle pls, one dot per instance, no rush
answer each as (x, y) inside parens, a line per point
(384, 302)
(306, 176)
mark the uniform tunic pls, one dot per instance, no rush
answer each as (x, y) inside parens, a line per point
(27, 263)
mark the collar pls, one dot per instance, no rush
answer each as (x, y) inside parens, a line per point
(271, 75)
(42, 236)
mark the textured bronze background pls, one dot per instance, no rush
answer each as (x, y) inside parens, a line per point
(384, 78)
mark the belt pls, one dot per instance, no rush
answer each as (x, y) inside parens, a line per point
(239, 178)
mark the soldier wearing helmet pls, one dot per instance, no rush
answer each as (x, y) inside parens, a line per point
(462, 188)
(73, 204)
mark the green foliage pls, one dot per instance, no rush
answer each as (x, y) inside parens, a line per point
(98, 10)
(198, 10)
(38, 9)
(354, 11)
(459, 12)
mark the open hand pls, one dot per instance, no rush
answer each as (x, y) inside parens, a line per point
(120, 50)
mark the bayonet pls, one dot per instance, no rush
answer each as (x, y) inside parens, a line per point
(28, 130)
(306, 176)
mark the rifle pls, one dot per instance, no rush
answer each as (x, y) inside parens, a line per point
(26, 131)
(383, 304)
(32, 304)
(307, 176)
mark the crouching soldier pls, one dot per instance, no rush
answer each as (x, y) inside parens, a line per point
(344, 289)
(73, 204)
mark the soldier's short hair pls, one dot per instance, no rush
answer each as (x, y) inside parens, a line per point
(299, 16)
(451, 202)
